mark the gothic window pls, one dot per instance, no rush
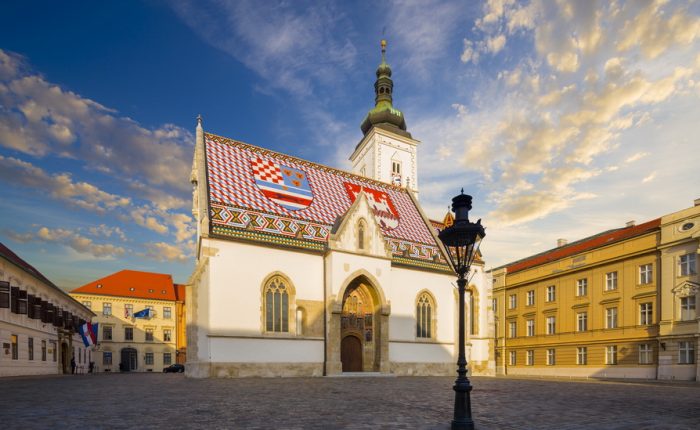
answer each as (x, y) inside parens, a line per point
(361, 229)
(276, 298)
(425, 310)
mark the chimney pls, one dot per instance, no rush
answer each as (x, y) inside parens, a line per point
(696, 202)
(630, 223)
(561, 242)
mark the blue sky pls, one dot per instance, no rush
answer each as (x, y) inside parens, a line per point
(561, 119)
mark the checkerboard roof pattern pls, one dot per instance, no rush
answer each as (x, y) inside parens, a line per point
(232, 184)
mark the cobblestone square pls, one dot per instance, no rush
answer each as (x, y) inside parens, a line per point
(120, 401)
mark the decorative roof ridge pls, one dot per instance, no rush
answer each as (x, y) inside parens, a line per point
(307, 162)
(571, 248)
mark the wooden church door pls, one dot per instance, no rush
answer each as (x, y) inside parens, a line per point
(351, 354)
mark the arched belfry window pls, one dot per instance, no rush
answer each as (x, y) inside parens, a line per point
(277, 305)
(425, 311)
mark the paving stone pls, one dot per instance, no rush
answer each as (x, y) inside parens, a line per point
(121, 401)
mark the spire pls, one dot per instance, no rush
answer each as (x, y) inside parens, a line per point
(384, 114)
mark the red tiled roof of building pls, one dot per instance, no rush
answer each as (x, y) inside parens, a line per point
(132, 283)
(592, 242)
(180, 292)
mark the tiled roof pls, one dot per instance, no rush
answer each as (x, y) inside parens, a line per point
(262, 195)
(592, 242)
(131, 283)
(180, 292)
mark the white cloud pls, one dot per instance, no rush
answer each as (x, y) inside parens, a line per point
(161, 251)
(74, 240)
(650, 177)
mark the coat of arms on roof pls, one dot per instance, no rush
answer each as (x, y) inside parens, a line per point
(284, 185)
(380, 202)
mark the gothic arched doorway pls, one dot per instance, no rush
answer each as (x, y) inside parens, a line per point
(359, 321)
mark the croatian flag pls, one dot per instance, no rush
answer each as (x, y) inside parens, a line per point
(146, 313)
(89, 333)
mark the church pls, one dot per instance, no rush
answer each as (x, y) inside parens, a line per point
(307, 270)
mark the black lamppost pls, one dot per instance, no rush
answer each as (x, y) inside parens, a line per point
(462, 241)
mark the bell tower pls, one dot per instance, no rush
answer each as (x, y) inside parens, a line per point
(387, 152)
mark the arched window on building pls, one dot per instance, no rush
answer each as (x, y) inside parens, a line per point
(425, 316)
(276, 298)
(472, 314)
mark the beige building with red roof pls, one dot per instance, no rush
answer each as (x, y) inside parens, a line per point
(141, 320)
(38, 322)
(619, 304)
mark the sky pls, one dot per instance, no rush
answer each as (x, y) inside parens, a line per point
(561, 119)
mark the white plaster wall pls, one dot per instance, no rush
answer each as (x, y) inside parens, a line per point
(237, 273)
(420, 352)
(198, 319)
(343, 267)
(403, 291)
(239, 350)
(389, 149)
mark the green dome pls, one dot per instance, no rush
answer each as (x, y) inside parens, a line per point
(384, 115)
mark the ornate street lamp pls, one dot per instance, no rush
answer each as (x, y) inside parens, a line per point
(462, 241)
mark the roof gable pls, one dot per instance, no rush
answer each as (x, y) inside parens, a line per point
(262, 195)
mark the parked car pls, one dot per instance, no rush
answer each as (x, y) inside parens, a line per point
(174, 368)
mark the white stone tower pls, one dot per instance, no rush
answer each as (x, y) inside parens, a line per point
(387, 152)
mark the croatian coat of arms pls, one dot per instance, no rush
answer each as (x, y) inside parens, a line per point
(284, 185)
(380, 202)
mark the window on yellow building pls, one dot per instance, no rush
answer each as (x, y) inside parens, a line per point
(106, 358)
(611, 318)
(582, 321)
(167, 312)
(688, 308)
(128, 333)
(531, 298)
(513, 358)
(106, 332)
(106, 309)
(645, 354)
(128, 310)
(551, 293)
(512, 329)
(512, 301)
(645, 273)
(611, 354)
(687, 265)
(551, 357)
(582, 287)
(149, 358)
(149, 335)
(167, 335)
(686, 352)
(530, 327)
(611, 281)
(551, 325)
(87, 304)
(530, 357)
(15, 347)
(167, 358)
(582, 355)
(645, 314)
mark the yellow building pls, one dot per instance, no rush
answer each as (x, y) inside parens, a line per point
(585, 309)
(679, 326)
(127, 341)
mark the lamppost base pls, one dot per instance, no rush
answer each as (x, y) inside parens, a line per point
(462, 425)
